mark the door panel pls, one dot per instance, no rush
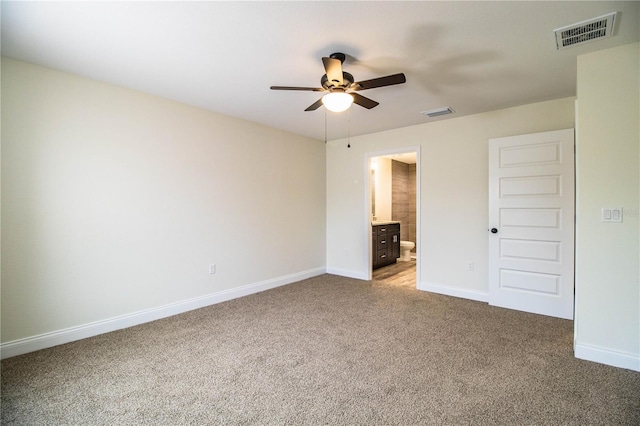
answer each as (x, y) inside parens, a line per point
(533, 154)
(530, 186)
(531, 206)
(524, 218)
(529, 281)
(530, 250)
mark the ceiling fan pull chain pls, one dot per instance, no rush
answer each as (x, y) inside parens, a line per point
(325, 126)
(348, 128)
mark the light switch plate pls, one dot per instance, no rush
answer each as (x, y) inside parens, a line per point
(612, 214)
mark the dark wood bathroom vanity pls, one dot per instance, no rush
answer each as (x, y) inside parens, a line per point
(386, 243)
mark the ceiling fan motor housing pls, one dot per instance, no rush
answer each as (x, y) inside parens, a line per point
(347, 80)
(339, 56)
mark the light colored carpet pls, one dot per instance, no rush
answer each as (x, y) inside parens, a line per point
(327, 350)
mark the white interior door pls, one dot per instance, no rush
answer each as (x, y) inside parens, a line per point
(531, 223)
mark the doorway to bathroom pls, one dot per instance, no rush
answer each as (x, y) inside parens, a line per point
(393, 198)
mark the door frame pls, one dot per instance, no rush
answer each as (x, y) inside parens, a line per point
(368, 156)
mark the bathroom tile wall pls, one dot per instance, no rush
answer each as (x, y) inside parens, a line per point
(403, 204)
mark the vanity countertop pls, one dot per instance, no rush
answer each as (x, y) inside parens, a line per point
(388, 222)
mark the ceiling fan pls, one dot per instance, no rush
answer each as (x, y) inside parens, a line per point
(342, 88)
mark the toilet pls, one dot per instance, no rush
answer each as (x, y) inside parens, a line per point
(405, 250)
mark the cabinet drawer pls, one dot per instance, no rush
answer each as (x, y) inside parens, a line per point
(386, 241)
(386, 229)
(393, 228)
(381, 229)
(382, 256)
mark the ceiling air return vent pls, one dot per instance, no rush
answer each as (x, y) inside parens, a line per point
(438, 112)
(585, 31)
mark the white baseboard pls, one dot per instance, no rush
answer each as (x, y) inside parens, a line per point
(47, 340)
(347, 273)
(607, 356)
(454, 291)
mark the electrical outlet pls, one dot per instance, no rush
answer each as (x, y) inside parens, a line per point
(469, 265)
(212, 269)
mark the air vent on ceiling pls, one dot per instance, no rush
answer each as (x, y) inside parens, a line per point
(438, 112)
(585, 31)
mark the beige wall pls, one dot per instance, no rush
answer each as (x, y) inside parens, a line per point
(115, 202)
(383, 189)
(453, 192)
(607, 175)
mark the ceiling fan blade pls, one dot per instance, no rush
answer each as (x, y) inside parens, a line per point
(363, 101)
(389, 80)
(308, 89)
(317, 104)
(333, 67)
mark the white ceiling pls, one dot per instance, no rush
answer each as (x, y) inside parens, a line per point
(224, 56)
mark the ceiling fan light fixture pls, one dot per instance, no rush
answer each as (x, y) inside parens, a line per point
(337, 101)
